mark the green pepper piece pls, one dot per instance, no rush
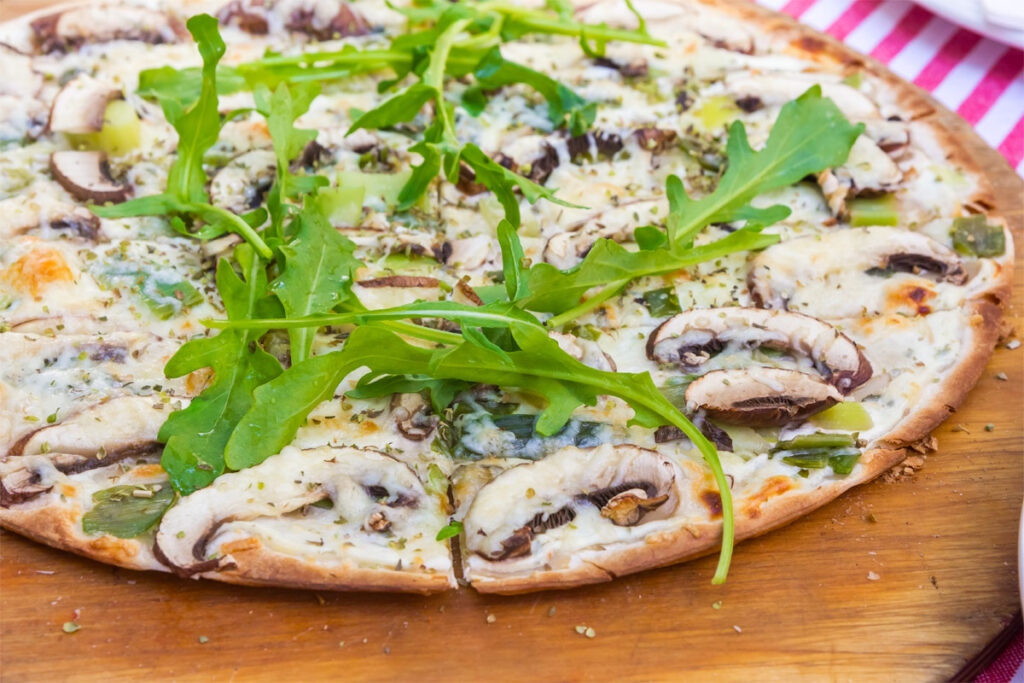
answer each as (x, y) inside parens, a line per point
(816, 440)
(843, 464)
(662, 302)
(848, 415)
(118, 511)
(873, 211)
(973, 236)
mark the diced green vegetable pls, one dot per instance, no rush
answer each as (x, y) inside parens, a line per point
(854, 80)
(163, 297)
(818, 458)
(873, 211)
(848, 415)
(973, 236)
(343, 205)
(662, 302)
(816, 440)
(747, 439)
(120, 133)
(127, 511)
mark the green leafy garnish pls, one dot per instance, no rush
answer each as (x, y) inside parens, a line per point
(127, 511)
(198, 127)
(453, 528)
(195, 437)
(317, 275)
(873, 211)
(810, 135)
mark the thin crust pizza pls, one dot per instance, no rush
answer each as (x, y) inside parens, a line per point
(398, 297)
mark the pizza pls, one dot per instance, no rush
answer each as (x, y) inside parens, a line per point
(516, 296)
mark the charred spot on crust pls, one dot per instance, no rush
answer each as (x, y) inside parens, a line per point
(713, 502)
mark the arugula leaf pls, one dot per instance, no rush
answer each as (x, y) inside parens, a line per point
(401, 108)
(442, 391)
(281, 110)
(195, 437)
(454, 528)
(184, 86)
(810, 135)
(198, 127)
(317, 275)
(565, 107)
(513, 261)
(610, 265)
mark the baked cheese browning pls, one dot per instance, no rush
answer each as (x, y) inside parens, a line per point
(375, 513)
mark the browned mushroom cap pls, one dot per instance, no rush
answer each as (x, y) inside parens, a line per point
(370, 490)
(760, 397)
(22, 485)
(802, 267)
(345, 23)
(98, 23)
(868, 169)
(80, 105)
(621, 485)
(413, 417)
(250, 16)
(86, 176)
(689, 339)
(402, 281)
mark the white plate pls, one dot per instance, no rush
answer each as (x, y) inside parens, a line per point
(969, 13)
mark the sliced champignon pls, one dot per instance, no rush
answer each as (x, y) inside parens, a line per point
(689, 339)
(585, 351)
(760, 397)
(243, 182)
(413, 416)
(80, 105)
(636, 68)
(463, 293)
(86, 176)
(23, 484)
(540, 168)
(20, 215)
(655, 140)
(777, 90)
(116, 428)
(368, 489)
(814, 274)
(397, 290)
(596, 144)
(248, 15)
(616, 485)
(868, 169)
(101, 23)
(466, 253)
(325, 20)
(400, 281)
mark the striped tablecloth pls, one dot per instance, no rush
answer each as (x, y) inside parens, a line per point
(978, 78)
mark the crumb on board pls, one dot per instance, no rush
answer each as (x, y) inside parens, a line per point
(872, 576)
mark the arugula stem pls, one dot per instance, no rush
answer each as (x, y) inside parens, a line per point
(541, 22)
(243, 229)
(421, 332)
(606, 292)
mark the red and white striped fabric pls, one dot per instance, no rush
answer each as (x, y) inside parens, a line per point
(978, 78)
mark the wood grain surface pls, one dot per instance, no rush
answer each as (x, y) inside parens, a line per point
(894, 581)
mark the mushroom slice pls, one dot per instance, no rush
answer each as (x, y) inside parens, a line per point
(607, 485)
(777, 90)
(86, 176)
(413, 417)
(372, 492)
(241, 185)
(885, 266)
(116, 428)
(760, 397)
(867, 169)
(397, 290)
(586, 351)
(467, 253)
(80, 105)
(323, 19)
(101, 23)
(689, 340)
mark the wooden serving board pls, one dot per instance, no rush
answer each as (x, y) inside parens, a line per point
(897, 581)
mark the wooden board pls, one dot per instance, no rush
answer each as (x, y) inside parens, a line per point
(799, 602)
